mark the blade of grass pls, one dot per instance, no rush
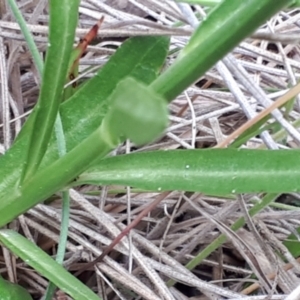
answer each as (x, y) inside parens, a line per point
(210, 171)
(44, 264)
(63, 21)
(28, 37)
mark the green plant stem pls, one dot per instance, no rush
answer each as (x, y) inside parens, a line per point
(64, 227)
(28, 37)
(54, 177)
(62, 240)
(232, 21)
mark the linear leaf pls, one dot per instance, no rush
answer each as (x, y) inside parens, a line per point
(211, 171)
(63, 15)
(45, 265)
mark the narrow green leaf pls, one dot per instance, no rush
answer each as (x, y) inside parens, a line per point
(12, 291)
(211, 171)
(45, 265)
(28, 36)
(63, 21)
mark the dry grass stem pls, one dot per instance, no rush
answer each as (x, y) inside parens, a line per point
(253, 81)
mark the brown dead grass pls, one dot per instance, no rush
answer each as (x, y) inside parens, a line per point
(174, 232)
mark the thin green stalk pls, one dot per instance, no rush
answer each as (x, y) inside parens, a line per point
(28, 37)
(62, 240)
(54, 177)
(227, 25)
(267, 200)
(61, 146)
